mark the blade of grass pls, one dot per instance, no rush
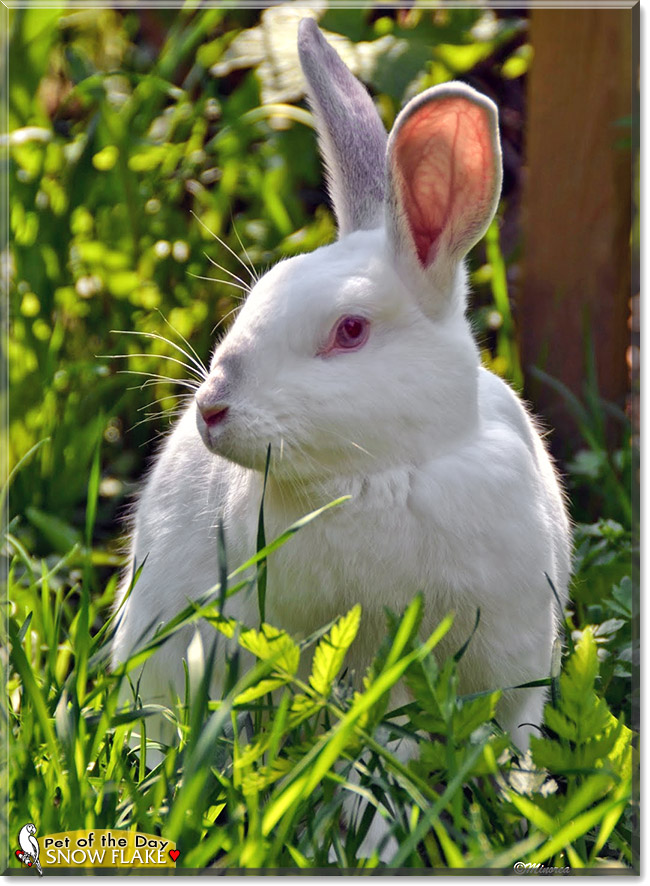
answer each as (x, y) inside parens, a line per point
(17, 467)
(578, 827)
(463, 649)
(286, 535)
(93, 493)
(319, 760)
(33, 692)
(261, 544)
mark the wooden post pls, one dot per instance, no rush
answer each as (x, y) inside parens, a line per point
(577, 207)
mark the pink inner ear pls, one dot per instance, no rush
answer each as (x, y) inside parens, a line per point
(445, 159)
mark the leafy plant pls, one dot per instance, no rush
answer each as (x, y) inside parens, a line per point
(259, 777)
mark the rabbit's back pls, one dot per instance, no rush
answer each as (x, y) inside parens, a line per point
(499, 403)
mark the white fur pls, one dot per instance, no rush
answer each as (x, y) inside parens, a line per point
(452, 491)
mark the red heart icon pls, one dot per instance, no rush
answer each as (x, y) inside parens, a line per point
(174, 853)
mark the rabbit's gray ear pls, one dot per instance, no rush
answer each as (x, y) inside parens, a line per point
(444, 178)
(351, 135)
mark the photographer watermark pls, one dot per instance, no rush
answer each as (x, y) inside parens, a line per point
(529, 867)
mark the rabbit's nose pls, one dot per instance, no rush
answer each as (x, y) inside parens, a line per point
(211, 401)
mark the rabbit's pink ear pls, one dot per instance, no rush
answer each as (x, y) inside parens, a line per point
(444, 176)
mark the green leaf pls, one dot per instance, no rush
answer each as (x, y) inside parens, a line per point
(317, 763)
(590, 738)
(594, 788)
(435, 757)
(302, 707)
(533, 813)
(473, 714)
(406, 631)
(330, 652)
(298, 857)
(286, 535)
(16, 469)
(33, 691)
(463, 649)
(24, 628)
(577, 828)
(272, 645)
(610, 819)
(56, 531)
(261, 689)
(433, 812)
(32, 34)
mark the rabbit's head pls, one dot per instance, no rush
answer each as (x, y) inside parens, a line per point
(358, 356)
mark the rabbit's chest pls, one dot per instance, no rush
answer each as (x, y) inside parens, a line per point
(463, 535)
(351, 554)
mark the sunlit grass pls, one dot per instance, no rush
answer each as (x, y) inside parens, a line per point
(259, 778)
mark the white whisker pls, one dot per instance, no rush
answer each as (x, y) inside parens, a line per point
(158, 400)
(358, 446)
(244, 288)
(250, 268)
(148, 443)
(193, 357)
(155, 415)
(226, 271)
(153, 378)
(187, 366)
(180, 335)
(224, 318)
(225, 245)
(328, 430)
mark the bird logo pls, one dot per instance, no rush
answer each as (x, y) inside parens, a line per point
(29, 848)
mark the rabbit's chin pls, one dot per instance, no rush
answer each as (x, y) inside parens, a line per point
(229, 441)
(290, 464)
(222, 441)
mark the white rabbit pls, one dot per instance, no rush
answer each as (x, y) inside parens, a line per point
(357, 364)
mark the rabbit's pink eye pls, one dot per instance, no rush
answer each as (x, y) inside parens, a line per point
(348, 334)
(349, 331)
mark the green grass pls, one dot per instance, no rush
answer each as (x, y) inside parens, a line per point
(259, 782)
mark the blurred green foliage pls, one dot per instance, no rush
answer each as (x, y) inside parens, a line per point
(136, 139)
